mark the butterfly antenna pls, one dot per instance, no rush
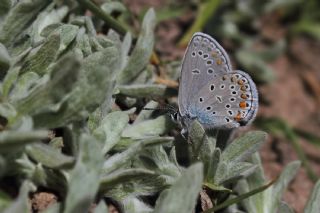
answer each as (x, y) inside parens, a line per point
(168, 108)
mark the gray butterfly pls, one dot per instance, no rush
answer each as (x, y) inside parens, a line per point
(210, 91)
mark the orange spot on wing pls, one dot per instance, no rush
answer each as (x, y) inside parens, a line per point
(219, 61)
(214, 54)
(233, 79)
(243, 88)
(243, 96)
(242, 104)
(240, 82)
(238, 117)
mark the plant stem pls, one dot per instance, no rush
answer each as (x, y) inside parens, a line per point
(239, 198)
(111, 22)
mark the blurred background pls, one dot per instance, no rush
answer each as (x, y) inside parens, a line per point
(278, 43)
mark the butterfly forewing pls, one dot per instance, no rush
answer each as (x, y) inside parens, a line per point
(203, 60)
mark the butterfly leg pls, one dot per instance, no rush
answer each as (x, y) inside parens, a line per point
(184, 133)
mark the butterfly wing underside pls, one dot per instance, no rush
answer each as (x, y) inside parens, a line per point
(210, 91)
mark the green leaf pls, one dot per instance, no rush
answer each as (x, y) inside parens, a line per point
(124, 143)
(146, 91)
(238, 199)
(154, 127)
(48, 16)
(63, 78)
(21, 204)
(111, 129)
(135, 205)
(146, 114)
(238, 170)
(113, 6)
(83, 185)
(257, 68)
(242, 147)
(122, 176)
(5, 199)
(142, 52)
(94, 87)
(120, 159)
(4, 61)
(313, 205)
(19, 18)
(10, 138)
(213, 165)
(5, 7)
(183, 192)
(101, 207)
(9, 80)
(48, 156)
(40, 61)
(284, 208)
(22, 88)
(282, 183)
(199, 142)
(206, 10)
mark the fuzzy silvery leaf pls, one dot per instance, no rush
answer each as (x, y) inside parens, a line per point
(21, 204)
(144, 186)
(154, 127)
(11, 139)
(53, 208)
(182, 195)
(142, 52)
(48, 156)
(238, 170)
(22, 87)
(118, 160)
(83, 42)
(125, 48)
(18, 19)
(156, 159)
(284, 208)
(146, 114)
(111, 129)
(124, 143)
(242, 147)
(67, 33)
(113, 6)
(313, 205)
(258, 202)
(47, 17)
(146, 91)
(9, 80)
(122, 176)
(95, 85)
(4, 7)
(4, 61)
(200, 144)
(62, 80)
(8, 112)
(101, 207)
(134, 205)
(221, 171)
(83, 185)
(213, 165)
(282, 183)
(39, 61)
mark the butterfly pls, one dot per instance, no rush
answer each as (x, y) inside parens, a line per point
(210, 91)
